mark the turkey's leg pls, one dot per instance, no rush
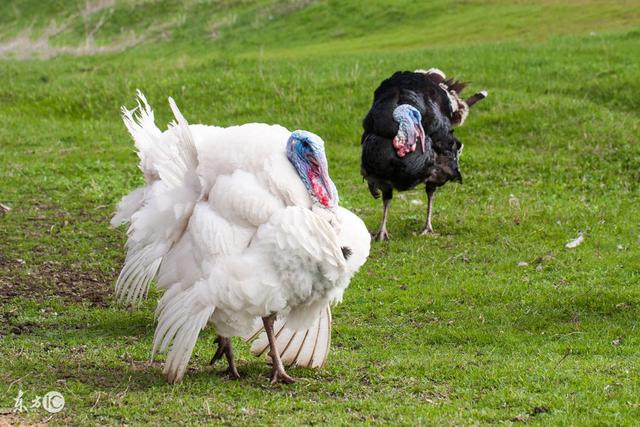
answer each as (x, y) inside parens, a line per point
(277, 371)
(224, 348)
(382, 233)
(428, 229)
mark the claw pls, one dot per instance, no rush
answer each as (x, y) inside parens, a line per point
(381, 235)
(233, 373)
(277, 370)
(428, 231)
(279, 375)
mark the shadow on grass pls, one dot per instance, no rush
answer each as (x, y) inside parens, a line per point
(145, 375)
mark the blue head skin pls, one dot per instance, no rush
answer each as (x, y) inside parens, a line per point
(410, 130)
(305, 151)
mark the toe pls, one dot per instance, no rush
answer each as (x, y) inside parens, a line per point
(281, 377)
(233, 373)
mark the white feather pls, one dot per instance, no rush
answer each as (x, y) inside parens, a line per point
(575, 242)
(227, 226)
(323, 342)
(432, 71)
(351, 235)
(158, 213)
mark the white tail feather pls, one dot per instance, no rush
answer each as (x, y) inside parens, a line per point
(323, 341)
(187, 146)
(260, 345)
(159, 212)
(308, 349)
(145, 133)
(305, 355)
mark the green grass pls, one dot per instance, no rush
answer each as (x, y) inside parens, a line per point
(439, 330)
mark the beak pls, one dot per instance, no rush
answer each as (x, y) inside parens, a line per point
(320, 169)
(314, 163)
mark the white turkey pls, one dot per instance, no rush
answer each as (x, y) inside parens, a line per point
(237, 225)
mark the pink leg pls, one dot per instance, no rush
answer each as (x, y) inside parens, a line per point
(428, 229)
(224, 347)
(383, 234)
(277, 373)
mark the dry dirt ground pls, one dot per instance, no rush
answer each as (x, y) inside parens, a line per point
(51, 278)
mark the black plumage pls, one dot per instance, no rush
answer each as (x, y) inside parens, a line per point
(384, 167)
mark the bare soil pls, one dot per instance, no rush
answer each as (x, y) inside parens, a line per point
(53, 279)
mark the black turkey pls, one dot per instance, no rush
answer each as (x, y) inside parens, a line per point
(408, 136)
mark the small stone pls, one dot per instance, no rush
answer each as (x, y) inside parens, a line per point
(523, 264)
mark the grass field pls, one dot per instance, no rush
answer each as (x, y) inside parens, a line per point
(444, 330)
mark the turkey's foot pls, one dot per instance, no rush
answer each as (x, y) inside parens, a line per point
(428, 231)
(277, 370)
(225, 349)
(232, 373)
(381, 235)
(278, 374)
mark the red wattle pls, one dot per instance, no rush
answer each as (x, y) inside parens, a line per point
(402, 148)
(318, 189)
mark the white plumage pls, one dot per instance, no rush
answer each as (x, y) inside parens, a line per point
(236, 224)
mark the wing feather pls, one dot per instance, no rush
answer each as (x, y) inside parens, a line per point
(159, 213)
(181, 317)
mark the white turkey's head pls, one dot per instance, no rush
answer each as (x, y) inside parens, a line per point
(305, 151)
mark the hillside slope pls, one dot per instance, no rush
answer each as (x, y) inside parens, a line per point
(31, 28)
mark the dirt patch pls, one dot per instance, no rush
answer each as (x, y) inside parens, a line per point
(13, 420)
(53, 279)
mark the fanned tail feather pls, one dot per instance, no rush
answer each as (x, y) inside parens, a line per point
(187, 147)
(308, 348)
(159, 212)
(145, 134)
